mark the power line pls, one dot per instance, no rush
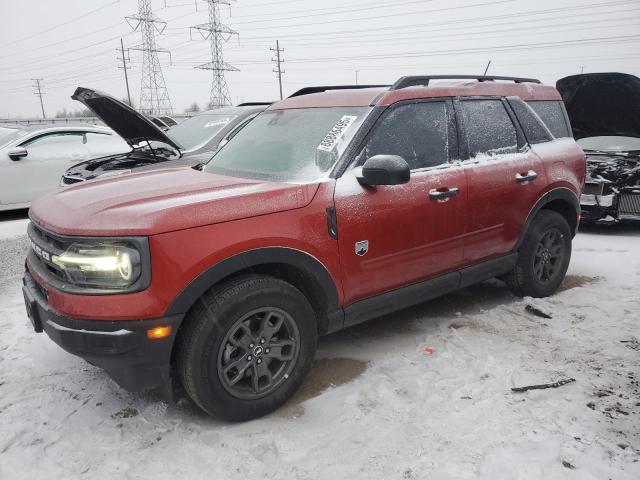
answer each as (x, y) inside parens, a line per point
(472, 20)
(217, 33)
(278, 60)
(125, 68)
(154, 97)
(60, 24)
(38, 93)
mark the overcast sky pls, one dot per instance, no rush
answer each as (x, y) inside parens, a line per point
(73, 42)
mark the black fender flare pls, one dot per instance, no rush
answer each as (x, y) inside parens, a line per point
(560, 193)
(252, 258)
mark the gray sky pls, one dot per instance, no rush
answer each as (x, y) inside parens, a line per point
(73, 42)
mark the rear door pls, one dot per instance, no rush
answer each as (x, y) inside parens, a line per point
(392, 236)
(504, 176)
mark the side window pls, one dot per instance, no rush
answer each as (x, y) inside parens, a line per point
(417, 132)
(489, 128)
(552, 114)
(58, 138)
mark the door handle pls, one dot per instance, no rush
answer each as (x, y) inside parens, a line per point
(443, 194)
(524, 178)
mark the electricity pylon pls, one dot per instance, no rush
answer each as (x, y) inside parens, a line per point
(217, 33)
(154, 98)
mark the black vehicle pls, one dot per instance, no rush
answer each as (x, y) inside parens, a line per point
(186, 144)
(604, 109)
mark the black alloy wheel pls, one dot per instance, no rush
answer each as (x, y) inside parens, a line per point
(258, 353)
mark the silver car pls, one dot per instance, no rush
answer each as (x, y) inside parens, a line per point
(32, 158)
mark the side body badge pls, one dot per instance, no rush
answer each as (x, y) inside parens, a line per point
(362, 247)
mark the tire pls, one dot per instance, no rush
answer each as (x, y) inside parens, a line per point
(220, 355)
(538, 271)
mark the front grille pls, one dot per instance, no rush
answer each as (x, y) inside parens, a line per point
(43, 246)
(629, 205)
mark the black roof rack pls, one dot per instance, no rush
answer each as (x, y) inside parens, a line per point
(253, 104)
(310, 90)
(423, 80)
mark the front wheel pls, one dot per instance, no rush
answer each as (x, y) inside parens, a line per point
(543, 258)
(246, 347)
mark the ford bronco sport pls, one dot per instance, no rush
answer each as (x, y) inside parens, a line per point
(334, 206)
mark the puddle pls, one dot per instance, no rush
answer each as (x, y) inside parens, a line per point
(574, 281)
(325, 373)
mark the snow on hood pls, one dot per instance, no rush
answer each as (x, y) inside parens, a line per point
(602, 104)
(131, 125)
(160, 201)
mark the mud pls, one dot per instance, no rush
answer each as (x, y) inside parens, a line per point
(325, 373)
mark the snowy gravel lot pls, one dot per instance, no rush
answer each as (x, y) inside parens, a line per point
(425, 393)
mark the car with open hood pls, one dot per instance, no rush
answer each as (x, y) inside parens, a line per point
(188, 143)
(334, 206)
(604, 109)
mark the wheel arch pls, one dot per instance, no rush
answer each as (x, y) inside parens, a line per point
(299, 268)
(562, 200)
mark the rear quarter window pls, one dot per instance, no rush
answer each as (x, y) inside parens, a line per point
(532, 125)
(552, 114)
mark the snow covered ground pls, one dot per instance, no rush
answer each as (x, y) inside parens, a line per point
(425, 393)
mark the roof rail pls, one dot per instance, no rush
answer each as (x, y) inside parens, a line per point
(310, 90)
(253, 104)
(423, 80)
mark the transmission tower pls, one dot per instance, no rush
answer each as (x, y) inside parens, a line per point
(154, 98)
(217, 33)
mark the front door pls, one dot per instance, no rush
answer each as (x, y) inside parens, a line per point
(393, 236)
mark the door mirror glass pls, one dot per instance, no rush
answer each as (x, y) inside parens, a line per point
(17, 153)
(385, 170)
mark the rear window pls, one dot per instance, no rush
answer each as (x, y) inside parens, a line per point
(489, 128)
(552, 114)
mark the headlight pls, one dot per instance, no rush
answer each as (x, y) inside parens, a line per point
(109, 266)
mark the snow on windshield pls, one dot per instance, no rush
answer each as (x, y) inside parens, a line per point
(7, 135)
(296, 144)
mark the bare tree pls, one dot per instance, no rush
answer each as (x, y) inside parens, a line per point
(193, 108)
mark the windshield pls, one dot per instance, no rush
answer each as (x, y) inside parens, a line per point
(198, 130)
(8, 135)
(290, 145)
(610, 144)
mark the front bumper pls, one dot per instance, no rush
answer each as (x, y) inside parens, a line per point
(120, 347)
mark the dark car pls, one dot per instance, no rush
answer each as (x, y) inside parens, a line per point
(604, 109)
(330, 208)
(186, 144)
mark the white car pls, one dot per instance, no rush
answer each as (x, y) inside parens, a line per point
(33, 158)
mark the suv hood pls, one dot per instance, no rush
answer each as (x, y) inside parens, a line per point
(159, 201)
(602, 104)
(132, 126)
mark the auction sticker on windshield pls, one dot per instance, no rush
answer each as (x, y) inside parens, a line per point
(214, 123)
(332, 138)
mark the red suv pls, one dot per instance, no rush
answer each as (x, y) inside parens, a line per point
(334, 206)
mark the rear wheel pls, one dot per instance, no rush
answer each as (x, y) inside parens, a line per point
(543, 258)
(246, 346)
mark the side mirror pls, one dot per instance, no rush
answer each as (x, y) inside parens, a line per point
(385, 170)
(17, 153)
